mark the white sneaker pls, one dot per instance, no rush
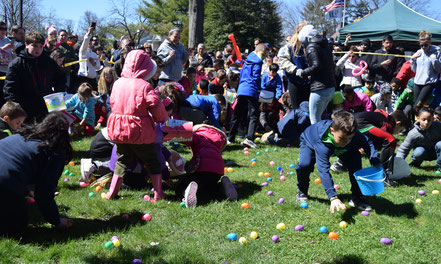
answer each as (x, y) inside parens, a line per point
(87, 168)
(190, 195)
(229, 190)
(249, 143)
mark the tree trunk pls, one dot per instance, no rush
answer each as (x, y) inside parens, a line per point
(195, 23)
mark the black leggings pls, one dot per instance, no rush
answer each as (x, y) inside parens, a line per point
(421, 94)
(298, 93)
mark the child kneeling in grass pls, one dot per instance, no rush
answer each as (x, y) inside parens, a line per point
(206, 167)
(424, 139)
(337, 137)
(83, 106)
(36, 155)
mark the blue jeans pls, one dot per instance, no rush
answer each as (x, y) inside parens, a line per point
(318, 101)
(421, 154)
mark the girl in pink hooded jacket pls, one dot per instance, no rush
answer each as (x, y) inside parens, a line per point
(135, 107)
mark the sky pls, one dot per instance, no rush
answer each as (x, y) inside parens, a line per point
(75, 9)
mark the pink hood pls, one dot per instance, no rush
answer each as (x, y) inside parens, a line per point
(134, 103)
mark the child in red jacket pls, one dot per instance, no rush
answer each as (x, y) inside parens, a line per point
(206, 167)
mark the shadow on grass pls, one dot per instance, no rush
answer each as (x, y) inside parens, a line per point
(348, 259)
(232, 163)
(80, 154)
(125, 255)
(44, 236)
(415, 180)
(233, 147)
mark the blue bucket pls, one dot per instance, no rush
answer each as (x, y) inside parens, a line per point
(370, 180)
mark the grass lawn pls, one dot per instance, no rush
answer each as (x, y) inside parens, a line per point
(199, 235)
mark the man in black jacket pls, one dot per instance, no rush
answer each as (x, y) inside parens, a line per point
(321, 69)
(202, 57)
(31, 76)
(386, 67)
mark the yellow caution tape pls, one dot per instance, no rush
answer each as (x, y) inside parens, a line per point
(373, 53)
(75, 62)
(2, 78)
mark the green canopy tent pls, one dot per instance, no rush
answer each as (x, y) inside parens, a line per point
(395, 19)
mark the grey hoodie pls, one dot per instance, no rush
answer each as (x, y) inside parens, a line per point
(427, 69)
(173, 65)
(418, 137)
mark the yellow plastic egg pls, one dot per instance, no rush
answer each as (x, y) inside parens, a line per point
(116, 242)
(242, 240)
(254, 235)
(230, 169)
(260, 174)
(419, 201)
(343, 224)
(103, 195)
(436, 192)
(281, 226)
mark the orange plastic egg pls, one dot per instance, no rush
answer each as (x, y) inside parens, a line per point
(333, 235)
(245, 205)
(318, 180)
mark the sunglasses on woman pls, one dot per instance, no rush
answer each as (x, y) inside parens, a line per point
(424, 45)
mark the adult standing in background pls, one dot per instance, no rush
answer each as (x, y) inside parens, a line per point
(173, 55)
(202, 57)
(386, 67)
(69, 55)
(87, 72)
(6, 49)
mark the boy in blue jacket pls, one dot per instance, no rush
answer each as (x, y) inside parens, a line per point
(248, 95)
(337, 137)
(272, 81)
(207, 104)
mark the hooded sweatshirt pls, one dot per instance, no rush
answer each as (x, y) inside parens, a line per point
(135, 104)
(417, 137)
(250, 81)
(172, 64)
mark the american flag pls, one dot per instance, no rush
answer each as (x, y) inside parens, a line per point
(335, 4)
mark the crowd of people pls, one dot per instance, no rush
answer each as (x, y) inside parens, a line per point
(307, 94)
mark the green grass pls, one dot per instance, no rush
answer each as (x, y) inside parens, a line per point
(199, 235)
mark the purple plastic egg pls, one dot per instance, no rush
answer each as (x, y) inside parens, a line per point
(136, 261)
(66, 179)
(385, 240)
(281, 200)
(264, 184)
(299, 227)
(269, 193)
(365, 213)
(421, 192)
(275, 238)
(114, 238)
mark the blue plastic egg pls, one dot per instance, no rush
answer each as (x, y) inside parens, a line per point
(232, 236)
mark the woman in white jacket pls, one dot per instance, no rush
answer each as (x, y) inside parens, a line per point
(347, 63)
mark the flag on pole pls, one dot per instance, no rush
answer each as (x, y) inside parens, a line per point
(334, 9)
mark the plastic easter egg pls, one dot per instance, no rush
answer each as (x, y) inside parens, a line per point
(66, 179)
(280, 226)
(266, 150)
(66, 172)
(299, 227)
(275, 149)
(336, 187)
(438, 172)
(264, 184)
(245, 205)
(83, 184)
(254, 235)
(71, 174)
(230, 170)
(98, 188)
(365, 213)
(269, 193)
(125, 216)
(421, 192)
(282, 178)
(292, 166)
(245, 149)
(281, 200)
(272, 163)
(30, 200)
(246, 153)
(71, 163)
(279, 168)
(385, 240)
(258, 153)
(91, 194)
(269, 179)
(232, 236)
(108, 245)
(436, 192)
(304, 205)
(267, 174)
(253, 163)
(439, 180)
(275, 238)
(138, 261)
(114, 238)
(343, 224)
(318, 180)
(242, 241)
(333, 235)
(253, 159)
(147, 217)
(291, 173)
(146, 198)
(260, 174)
(323, 229)
(116, 243)
(103, 195)
(418, 201)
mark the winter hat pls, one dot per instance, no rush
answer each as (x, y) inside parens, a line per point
(51, 29)
(366, 42)
(306, 33)
(385, 89)
(410, 84)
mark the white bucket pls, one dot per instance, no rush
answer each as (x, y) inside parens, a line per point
(55, 102)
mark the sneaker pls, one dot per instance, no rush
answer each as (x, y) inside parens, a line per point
(229, 190)
(264, 138)
(87, 168)
(190, 198)
(388, 182)
(249, 143)
(361, 204)
(338, 167)
(301, 197)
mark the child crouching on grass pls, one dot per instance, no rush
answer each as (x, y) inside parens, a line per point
(135, 107)
(11, 118)
(206, 167)
(338, 137)
(36, 155)
(83, 106)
